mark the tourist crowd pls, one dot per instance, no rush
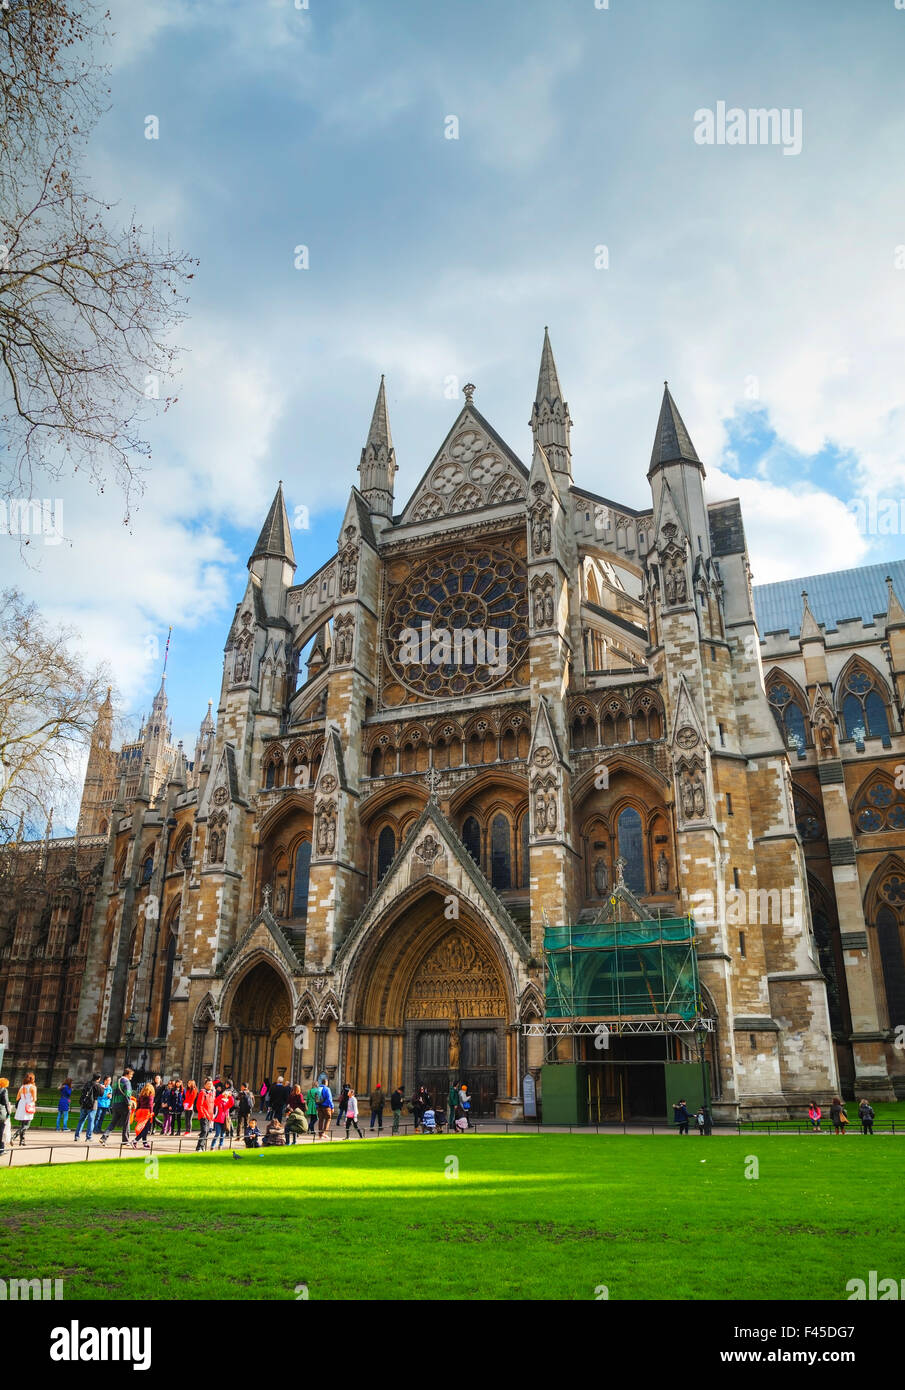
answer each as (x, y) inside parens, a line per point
(136, 1112)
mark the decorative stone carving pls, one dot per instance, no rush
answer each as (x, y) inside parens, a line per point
(428, 849)
(326, 828)
(601, 877)
(687, 737)
(662, 872)
(456, 978)
(343, 638)
(348, 563)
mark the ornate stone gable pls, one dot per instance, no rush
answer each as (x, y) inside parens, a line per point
(456, 978)
(473, 469)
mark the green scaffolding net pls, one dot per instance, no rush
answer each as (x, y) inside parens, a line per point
(623, 970)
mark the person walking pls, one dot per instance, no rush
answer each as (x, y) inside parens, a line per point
(144, 1116)
(465, 1100)
(397, 1100)
(188, 1105)
(122, 1106)
(88, 1103)
(265, 1103)
(63, 1105)
(815, 1115)
(223, 1104)
(452, 1100)
(26, 1104)
(700, 1120)
(352, 1114)
(325, 1110)
(245, 1105)
(681, 1116)
(204, 1105)
(866, 1116)
(838, 1116)
(103, 1104)
(343, 1104)
(312, 1100)
(278, 1096)
(378, 1101)
(6, 1110)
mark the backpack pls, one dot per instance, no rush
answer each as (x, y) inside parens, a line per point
(88, 1097)
(325, 1096)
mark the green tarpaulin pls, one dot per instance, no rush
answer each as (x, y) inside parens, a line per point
(623, 970)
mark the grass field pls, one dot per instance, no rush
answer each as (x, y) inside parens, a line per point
(548, 1217)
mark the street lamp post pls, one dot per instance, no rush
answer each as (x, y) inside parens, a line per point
(700, 1029)
(130, 1034)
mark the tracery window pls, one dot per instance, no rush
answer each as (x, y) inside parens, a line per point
(789, 715)
(631, 848)
(386, 850)
(863, 707)
(889, 944)
(808, 822)
(482, 594)
(147, 869)
(301, 879)
(500, 853)
(471, 838)
(526, 851)
(881, 807)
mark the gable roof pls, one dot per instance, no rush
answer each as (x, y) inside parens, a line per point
(469, 417)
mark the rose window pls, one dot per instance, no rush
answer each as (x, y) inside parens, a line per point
(449, 619)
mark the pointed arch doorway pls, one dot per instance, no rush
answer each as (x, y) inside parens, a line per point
(258, 1045)
(432, 1005)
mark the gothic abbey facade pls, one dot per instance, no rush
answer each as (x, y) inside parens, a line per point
(354, 873)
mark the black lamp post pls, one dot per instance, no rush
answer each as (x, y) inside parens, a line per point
(701, 1031)
(130, 1034)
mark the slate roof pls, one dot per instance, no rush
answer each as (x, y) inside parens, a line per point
(833, 597)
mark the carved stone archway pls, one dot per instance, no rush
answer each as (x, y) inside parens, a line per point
(430, 1002)
(258, 1041)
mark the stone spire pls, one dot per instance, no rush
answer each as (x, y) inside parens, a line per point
(895, 614)
(275, 540)
(672, 443)
(810, 628)
(377, 468)
(550, 420)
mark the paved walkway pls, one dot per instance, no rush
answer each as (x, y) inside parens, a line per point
(54, 1146)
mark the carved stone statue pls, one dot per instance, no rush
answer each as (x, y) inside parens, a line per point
(687, 794)
(280, 900)
(662, 872)
(538, 608)
(551, 811)
(681, 585)
(540, 812)
(700, 803)
(620, 871)
(548, 608)
(601, 877)
(454, 1041)
(670, 582)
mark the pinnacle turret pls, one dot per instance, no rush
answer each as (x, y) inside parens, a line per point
(672, 443)
(275, 540)
(550, 420)
(377, 468)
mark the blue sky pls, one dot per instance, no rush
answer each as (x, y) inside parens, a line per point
(763, 286)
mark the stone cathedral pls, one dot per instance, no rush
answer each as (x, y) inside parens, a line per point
(510, 705)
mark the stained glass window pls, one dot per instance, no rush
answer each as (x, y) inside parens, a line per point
(300, 884)
(863, 708)
(790, 716)
(889, 941)
(386, 850)
(471, 838)
(500, 853)
(631, 849)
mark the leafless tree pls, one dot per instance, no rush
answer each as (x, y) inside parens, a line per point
(48, 707)
(88, 304)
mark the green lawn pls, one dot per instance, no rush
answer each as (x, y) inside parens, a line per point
(536, 1217)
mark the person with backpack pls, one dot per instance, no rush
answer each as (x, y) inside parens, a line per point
(866, 1116)
(26, 1104)
(838, 1116)
(63, 1105)
(88, 1101)
(343, 1104)
(174, 1119)
(296, 1120)
(122, 1106)
(144, 1116)
(325, 1110)
(188, 1105)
